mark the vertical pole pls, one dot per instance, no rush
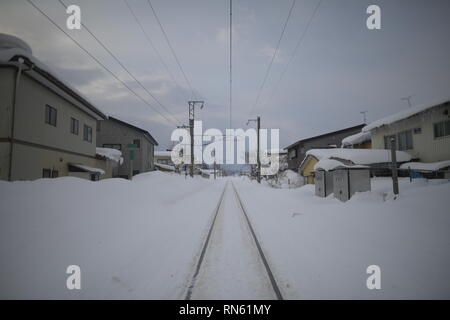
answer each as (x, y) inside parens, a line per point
(394, 166)
(191, 128)
(257, 154)
(131, 169)
(214, 169)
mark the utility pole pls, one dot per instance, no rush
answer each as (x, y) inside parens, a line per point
(394, 167)
(258, 160)
(364, 116)
(191, 129)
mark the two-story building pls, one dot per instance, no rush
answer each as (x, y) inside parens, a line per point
(297, 151)
(422, 131)
(120, 135)
(47, 129)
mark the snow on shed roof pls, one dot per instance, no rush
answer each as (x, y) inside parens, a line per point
(358, 156)
(356, 138)
(420, 166)
(331, 164)
(403, 114)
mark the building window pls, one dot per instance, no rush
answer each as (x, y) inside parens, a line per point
(417, 130)
(50, 115)
(87, 133)
(112, 146)
(46, 173)
(292, 154)
(405, 141)
(442, 129)
(137, 142)
(95, 177)
(55, 174)
(74, 124)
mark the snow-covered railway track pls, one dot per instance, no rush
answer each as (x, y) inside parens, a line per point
(232, 264)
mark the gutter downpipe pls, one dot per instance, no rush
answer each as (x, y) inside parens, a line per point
(19, 72)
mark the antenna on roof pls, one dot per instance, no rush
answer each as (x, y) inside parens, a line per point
(364, 115)
(408, 99)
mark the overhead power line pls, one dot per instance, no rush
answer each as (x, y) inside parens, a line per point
(294, 52)
(149, 40)
(172, 49)
(123, 66)
(231, 58)
(273, 58)
(98, 61)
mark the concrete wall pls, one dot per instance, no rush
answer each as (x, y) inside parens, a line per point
(425, 146)
(113, 132)
(7, 80)
(37, 144)
(28, 162)
(30, 119)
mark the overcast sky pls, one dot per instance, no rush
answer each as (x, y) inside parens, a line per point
(340, 69)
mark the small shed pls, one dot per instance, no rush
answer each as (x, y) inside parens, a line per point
(323, 183)
(349, 180)
(323, 176)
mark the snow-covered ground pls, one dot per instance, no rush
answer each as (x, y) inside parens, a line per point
(321, 247)
(131, 239)
(143, 238)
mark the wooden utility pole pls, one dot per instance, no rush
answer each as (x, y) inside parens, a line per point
(191, 130)
(394, 166)
(258, 160)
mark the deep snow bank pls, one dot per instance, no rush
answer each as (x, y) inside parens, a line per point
(132, 239)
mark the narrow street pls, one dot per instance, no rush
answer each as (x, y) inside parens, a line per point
(232, 267)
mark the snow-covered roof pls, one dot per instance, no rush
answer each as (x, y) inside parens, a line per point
(11, 46)
(165, 166)
(87, 168)
(403, 115)
(109, 153)
(162, 153)
(358, 156)
(420, 166)
(356, 139)
(331, 164)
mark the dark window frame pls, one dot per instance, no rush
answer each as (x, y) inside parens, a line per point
(405, 140)
(294, 150)
(138, 144)
(443, 127)
(87, 133)
(74, 129)
(51, 115)
(46, 173)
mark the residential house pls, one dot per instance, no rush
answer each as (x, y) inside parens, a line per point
(422, 131)
(117, 134)
(360, 140)
(297, 151)
(378, 160)
(47, 129)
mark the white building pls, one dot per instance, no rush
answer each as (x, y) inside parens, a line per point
(422, 131)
